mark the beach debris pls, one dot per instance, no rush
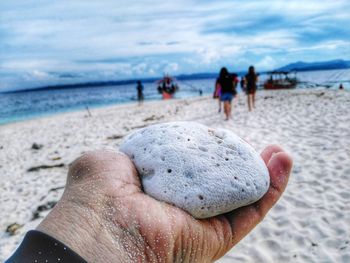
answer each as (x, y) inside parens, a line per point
(37, 146)
(57, 188)
(13, 229)
(56, 158)
(345, 245)
(37, 168)
(115, 137)
(49, 205)
(204, 171)
(52, 190)
(154, 118)
(139, 126)
(319, 94)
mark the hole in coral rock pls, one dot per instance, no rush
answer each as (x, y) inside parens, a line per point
(150, 173)
(200, 197)
(203, 149)
(169, 170)
(188, 174)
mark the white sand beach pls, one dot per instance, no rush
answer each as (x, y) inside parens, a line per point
(311, 222)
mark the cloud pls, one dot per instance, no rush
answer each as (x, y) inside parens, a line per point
(266, 63)
(172, 67)
(106, 39)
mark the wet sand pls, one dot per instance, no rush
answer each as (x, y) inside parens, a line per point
(309, 224)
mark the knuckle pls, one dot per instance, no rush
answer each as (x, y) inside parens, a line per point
(89, 163)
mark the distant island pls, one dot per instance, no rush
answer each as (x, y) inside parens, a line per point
(297, 66)
(310, 66)
(114, 82)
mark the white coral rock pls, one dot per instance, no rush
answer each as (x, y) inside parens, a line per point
(204, 171)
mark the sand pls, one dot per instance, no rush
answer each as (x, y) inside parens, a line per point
(311, 223)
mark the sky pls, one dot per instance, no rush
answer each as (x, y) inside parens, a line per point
(49, 42)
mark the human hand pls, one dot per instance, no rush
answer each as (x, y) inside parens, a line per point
(104, 215)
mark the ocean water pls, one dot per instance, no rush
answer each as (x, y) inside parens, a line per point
(32, 104)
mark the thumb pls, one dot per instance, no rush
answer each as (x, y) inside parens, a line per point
(105, 166)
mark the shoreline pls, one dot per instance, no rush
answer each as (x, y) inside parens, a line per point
(71, 109)
(308, 224)
(33, 116)
(94, 108)
(36, 116)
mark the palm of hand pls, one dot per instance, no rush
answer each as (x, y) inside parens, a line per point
(152, 231)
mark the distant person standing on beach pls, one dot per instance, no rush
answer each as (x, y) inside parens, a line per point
(250, 87)
(228, 84)
(217, 93)
(140, 96)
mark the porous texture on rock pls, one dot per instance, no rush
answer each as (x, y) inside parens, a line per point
(204, 171)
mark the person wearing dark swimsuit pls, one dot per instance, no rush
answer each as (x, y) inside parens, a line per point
(250, 81)
(228, 84)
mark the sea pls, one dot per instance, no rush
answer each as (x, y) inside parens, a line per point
(19, 106)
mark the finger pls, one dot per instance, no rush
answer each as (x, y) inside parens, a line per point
(103, 164)
(269, 152)
(244, 219)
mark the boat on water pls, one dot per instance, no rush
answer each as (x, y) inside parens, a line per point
(281, 80)
(167, 86)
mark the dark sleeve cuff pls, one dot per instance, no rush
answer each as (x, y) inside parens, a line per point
(38, 247)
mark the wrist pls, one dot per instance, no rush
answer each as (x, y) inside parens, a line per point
(81, 229)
